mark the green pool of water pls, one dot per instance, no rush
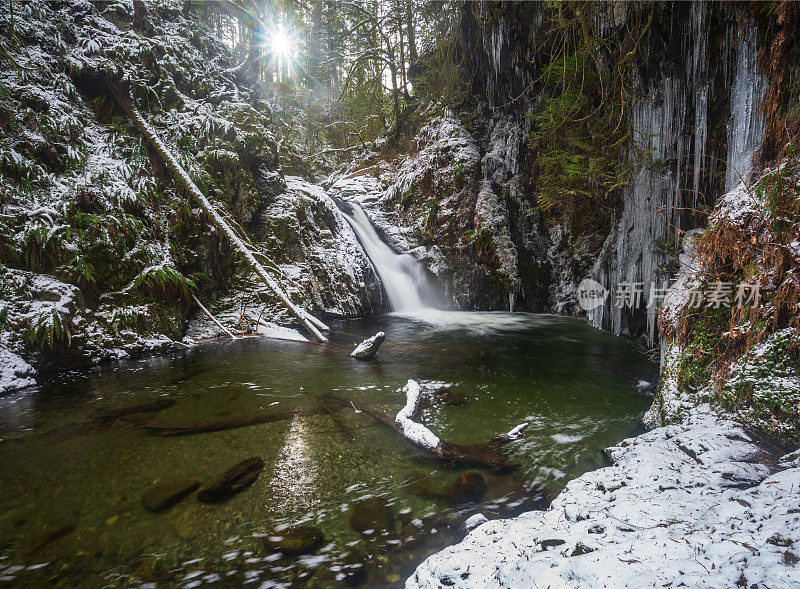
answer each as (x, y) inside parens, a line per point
(575, 386)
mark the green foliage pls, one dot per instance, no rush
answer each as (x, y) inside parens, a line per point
(579, 132)
(49, 330)
(164, 282)
(581, 161)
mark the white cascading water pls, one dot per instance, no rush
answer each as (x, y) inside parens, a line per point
(411, 293)
(403, 277)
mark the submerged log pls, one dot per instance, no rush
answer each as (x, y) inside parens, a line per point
(336, 420)
(232, 481)
(110, 413)
(166, 430)
(481, 455)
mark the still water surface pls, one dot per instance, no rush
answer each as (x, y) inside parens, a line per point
(574, 385)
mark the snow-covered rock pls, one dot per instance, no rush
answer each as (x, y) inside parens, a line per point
(474, 521)
(691, 504)
(15, 373)
(369, 347)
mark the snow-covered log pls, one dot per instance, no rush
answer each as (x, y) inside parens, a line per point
(486, 455)
(183, 178)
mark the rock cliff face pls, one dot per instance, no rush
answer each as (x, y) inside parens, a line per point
(461, 193)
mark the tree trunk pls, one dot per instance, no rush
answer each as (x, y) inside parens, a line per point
(183, 178)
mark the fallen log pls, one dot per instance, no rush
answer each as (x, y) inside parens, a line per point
(110, 413)
(185, 181)
(486, 456)
(213, 319)
(232, 481)
(337, 421)
(166, 430)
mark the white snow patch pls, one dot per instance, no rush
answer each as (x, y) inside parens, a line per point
(15, 373)
(474, 521)
(268, 329)
(684, 505)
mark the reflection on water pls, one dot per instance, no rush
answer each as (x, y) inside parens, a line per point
(294, 482)
(71, 507)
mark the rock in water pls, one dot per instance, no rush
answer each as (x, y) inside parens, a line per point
(46, 536)
(232, 481)
(469, 486)
(369, 347)
(371, 514)
(162, 496)
(295, 540)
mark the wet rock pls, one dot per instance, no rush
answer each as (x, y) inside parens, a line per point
(294, 540)
(162, 496)
(369, 347)
(232, 481)
(47, 536)
(371, 514)
(469, 486)
(411, 533)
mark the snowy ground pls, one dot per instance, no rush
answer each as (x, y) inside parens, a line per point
(695, 504)
(15, 373)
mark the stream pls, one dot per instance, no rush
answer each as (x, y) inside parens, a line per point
(574, 385)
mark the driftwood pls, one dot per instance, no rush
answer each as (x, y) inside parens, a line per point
(486, 455)
(185, 181)
(232, 481)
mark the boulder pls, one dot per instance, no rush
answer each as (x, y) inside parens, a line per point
(164, 495)
(294, 540)
(369, 347)
(371, 514)
(469, 486)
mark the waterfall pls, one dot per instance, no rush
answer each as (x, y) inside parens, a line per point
(404, 278)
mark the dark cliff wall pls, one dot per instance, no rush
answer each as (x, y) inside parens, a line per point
(691, 81)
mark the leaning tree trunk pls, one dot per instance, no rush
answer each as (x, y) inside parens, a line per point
(183, 178)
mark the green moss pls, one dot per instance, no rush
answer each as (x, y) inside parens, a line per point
(764, 387)
(694, 366)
